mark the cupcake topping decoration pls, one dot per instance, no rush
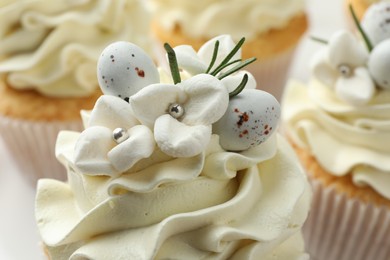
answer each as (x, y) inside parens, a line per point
(376, 22)
(251, 118)
(219, 57)
(124, 69)
(356, 72)
(120, 135)
(179, 118)
(113, 140)
(343, 65)
(379, 64)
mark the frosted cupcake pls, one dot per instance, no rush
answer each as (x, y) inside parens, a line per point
(272, 30)
(186, 169)
(340, 126)
(48, 55)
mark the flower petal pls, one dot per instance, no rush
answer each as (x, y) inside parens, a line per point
(153, 101)
(322, 70)
(345, 49)
(231, 82)
(91, 151)
(226, 45)
(139, 145)
(179, 140)
(356, 90)
(208, 100)
(188, 60)
(112, 112)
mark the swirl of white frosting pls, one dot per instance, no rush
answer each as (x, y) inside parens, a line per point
(52, 46)
(215, 205)
(344, 139)
(208, 18)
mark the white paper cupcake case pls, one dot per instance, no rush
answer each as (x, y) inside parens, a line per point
(271, 75)
(32, 146)
(340, 228)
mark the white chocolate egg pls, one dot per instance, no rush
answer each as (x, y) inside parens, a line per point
(251, 117)
(379, 64)
(376, 22)
(124, 68)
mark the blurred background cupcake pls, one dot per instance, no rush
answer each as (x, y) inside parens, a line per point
(272, 30)
(339, 124)
(48, 56)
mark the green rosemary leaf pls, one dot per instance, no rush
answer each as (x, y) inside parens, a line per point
(317, 39)
(214, 57)
(226, 65)
(237, 67)
(364, 35)
(230, 55)
(240, 87)
(173, 65)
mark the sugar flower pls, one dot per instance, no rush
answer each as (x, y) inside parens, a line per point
(199, 62)
(113, 140)
(342, 65)
(182, 114)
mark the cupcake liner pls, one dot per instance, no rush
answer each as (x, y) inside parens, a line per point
(32, 146)
(271, 74)
(342, 228)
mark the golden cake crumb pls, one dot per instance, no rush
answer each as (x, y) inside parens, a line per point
(30, 105)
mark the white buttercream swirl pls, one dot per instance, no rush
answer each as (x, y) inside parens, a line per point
(343, 138)
(216, 205)
(208, 18)
(53, 46)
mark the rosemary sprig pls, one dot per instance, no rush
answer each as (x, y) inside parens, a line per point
(240, 87)
(214, 57)
(173, 65)
(364, 35)
(226, 65)
(237, 67)
(320, 40)
(229, 56)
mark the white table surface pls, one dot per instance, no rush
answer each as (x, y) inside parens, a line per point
(19, 238)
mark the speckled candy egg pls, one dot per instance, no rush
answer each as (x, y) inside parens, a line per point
(124, 68)
(252, 116)
(379, 64)
(376, 23)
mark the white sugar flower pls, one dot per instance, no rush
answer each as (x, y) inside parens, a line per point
(198, 62)
(181, 115)
(113, 140)
(343, 65)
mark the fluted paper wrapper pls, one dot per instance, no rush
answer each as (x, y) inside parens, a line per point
(271, 75)
(342, 228)
(32, 146)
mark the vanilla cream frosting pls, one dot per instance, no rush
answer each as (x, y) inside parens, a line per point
(209, 18)
(216, 205)
(146, 181)
(344, 139)
(53, 46)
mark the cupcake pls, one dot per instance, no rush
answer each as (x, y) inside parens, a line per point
(48, 55)
(175, 166)
(272, 29)
(339, 124)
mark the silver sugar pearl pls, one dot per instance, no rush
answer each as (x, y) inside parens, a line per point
(176, 110)
(345, 70)
(119, 135)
